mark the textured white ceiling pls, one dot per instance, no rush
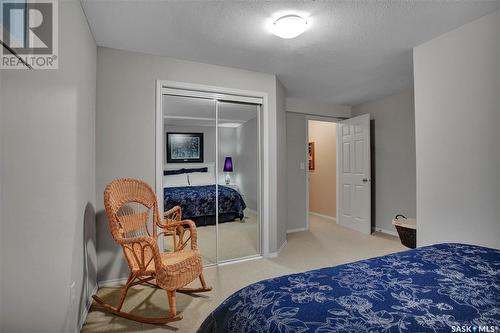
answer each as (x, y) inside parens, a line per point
(353, 52)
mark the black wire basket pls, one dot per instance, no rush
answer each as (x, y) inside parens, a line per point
(407, 232)
(407, 236)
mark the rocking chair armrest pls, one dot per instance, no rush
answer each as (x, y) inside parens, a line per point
(150, 241)
(174, 213)
(178, 228)
(175, 224)
(143, 242)
(138, 239)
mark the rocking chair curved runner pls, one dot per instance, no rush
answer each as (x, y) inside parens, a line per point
(138, 237)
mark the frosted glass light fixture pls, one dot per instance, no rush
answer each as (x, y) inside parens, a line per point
(289, 26)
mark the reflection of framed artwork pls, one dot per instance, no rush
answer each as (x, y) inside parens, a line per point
(311, 156)
(184, 147)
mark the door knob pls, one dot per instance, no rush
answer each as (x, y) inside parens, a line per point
(365, 180)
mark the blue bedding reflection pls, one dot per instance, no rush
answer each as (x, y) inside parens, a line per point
(199, 201)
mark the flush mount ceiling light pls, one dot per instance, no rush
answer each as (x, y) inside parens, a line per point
(289, 26)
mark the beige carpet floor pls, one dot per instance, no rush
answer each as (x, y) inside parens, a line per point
(237, 239)
(325, 244)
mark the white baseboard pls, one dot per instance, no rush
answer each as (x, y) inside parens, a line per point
(328, 217)
(275, 254)
(86, 309)
(290, 231)
(385, 231)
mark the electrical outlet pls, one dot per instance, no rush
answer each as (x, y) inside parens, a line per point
(302, 166)
(72, 292)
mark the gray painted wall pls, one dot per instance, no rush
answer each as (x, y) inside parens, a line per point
(457, 118)
(246, 166)
(296, 138)
(393, 157)
(48, 184)
(296, 177)
(280, 173)
(125, 130)
(300, 105)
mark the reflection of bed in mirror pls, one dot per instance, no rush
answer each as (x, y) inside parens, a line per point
(194, 190)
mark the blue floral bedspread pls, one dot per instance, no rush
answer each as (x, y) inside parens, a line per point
(440, 288)
(197, 201)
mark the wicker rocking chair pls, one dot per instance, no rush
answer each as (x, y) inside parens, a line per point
(138, 236)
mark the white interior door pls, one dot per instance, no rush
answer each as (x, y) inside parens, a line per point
(354, 182)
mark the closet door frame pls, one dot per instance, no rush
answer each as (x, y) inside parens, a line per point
(164, 87)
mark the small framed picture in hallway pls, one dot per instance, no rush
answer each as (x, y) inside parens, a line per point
(311, 155)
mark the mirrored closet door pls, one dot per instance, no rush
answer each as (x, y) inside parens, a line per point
(211, 169)
(189, 173)
(238, 156)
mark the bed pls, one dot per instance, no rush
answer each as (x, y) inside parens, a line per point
(439, 288)
(198, 203)
(193, 189)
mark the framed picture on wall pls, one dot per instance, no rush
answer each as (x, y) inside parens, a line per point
(184, 147)
(311, 156)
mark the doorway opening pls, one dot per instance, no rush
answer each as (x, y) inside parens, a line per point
(321, 171)
(344, 189)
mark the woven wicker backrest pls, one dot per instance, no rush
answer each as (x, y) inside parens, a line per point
(132, 211)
